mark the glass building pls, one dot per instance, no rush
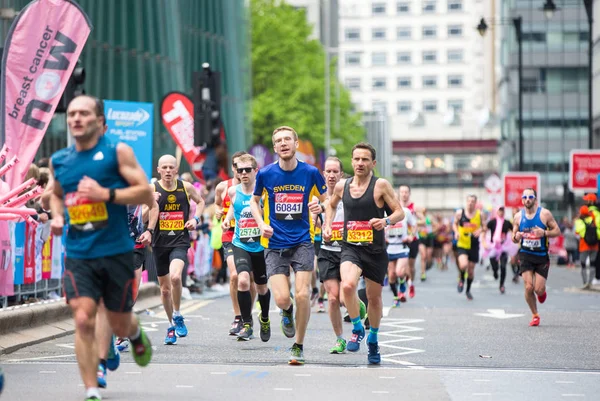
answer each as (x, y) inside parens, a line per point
(139, 50)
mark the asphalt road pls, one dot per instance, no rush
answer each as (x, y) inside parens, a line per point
(437, 346)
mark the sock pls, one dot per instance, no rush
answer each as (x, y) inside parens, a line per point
(315, 290)
(536, 315)
(136, 335)
(298, 346)
(92, 392)
(409, 283)
(340, 337)
(469, 282)
(357, 323)
(245, 301)
(373, 335)
(461, 276)
(176, 313)
(394, 288)
(320, 299)
(264, 301)
(290, 310)
(238, 317)
(103, 363)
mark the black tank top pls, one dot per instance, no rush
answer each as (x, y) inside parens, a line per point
(357, 213)
(174, 211)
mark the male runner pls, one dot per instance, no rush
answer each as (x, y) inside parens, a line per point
(288, 187)
(171, 241)
(499, 229)
(427, 230)
(363, 248)
(590, 200)
(398, 238)
(95, 179)
(413, 243)
(222, 203)
(468, 226)
(533, 225)
(247, 250)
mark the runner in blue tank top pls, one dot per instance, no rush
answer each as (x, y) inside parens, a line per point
(532, 227)
(248, 253)
(287, 186)
(95, 180)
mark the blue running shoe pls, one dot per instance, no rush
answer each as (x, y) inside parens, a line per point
(403, 286)
(354, 342)
(171, 338)
(101, 376)
(180, 328)
(374, 356)
(122, 344)
(114, 357)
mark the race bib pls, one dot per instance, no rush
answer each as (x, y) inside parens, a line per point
(171, 221)
(469, 227)
(359, 232)
(530, 241)
(396, 230)
(288, 206)
(249, 231)
(85, 214)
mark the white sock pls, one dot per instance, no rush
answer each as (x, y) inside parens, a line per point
(92, 392)
(176, 313)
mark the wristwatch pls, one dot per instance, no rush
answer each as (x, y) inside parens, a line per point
(151, 231)
(387, 221)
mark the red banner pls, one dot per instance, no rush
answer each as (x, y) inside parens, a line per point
(40, 53)
(29, 257)
(515, 183)
(584, 167)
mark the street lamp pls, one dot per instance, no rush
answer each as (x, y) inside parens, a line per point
(549, 9)
(517, 23)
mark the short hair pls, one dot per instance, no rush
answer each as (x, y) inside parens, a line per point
(238, 154)
(44, 177)
(472, 196)
(365, 145)
(247, 158)
(531, 189)
(407, 186)
(285, 128)
(98, 105)
(335, 159)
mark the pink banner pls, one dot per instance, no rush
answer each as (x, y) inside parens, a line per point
(7, 287)
(29, 261)
(40, 53)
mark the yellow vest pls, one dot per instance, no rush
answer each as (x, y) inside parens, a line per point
(465, 229)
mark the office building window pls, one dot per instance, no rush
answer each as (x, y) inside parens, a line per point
(429, 57)
(379, 83)
(456, 104)
(429, 6)
(403, 58)
(404, 107)
(403, 33)
(455, 5)
(455, 81)
(429, 31)
(378, 8)
(378, 33)
(403, 7)
(379, 58)
(455, 31)
(429, 81)
(379, 105)
(455, 56)
(353, 83)
(404, 82)
(352, 58)
(430, 106)
(352, 34)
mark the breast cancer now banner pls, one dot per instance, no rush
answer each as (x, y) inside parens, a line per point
(132, 123)
(40, 53)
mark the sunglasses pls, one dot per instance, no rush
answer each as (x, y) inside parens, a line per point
(244, 170)
(528, 197)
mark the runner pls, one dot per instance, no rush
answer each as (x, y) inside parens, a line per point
(468, 226)
(287, 186)
(398, 238)
(413, 243)
(590, 201)
(95, 179)
(533, 225)
(170, 243)
(426, 238)
(364, 198)
(499, 229)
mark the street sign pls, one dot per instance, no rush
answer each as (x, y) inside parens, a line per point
(515, 183)
(584, 167)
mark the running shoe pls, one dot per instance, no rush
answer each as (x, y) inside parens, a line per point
(313, 297)
(236, 326)
(123, 344)
(180, 328)
(374, 357)
(339, 347)
(93, 398)
(396, 302)
(265, 329)
(296, 356)
(287, 325)
(171, 338)
(363, 309)
(101, 376)
(469, 296)
(411, 291)
(423, 276)
(542, 298)
(321, 307)
(502, 290)
(114, 357)
(403, 286)
(460, 287)
(357, 336)
(535, 321)
(246, 333)
(402, 297)
(142, 348)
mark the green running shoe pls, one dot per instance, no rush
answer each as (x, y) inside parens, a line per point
(363, 310)
(296, 356)
(339, 347)
(142, 349)
(265, 329)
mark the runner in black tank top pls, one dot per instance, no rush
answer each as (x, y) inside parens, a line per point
(174, 211)
(365, 199)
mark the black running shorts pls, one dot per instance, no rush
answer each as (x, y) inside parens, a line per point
(329, 265)
(251, 262)
(373, 264)
(164, 256)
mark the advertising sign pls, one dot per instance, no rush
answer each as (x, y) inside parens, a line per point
(584, 167)
(515, 183)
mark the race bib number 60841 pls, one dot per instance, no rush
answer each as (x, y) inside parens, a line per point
(289, 206)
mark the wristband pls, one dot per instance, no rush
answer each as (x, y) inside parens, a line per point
(197, 219)
(111, 195)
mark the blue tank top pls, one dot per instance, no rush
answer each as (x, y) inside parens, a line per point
(287, 194)
(530, 244)
(247, 232)
(96, 229)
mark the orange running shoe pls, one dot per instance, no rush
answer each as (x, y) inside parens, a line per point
(542, 298)
(535, 321)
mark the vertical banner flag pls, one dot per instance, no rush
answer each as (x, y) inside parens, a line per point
(7, 287)
(40, 53)
(58, 257)
(132, 123)
(18, 243)
(29, 259)
(47, 259)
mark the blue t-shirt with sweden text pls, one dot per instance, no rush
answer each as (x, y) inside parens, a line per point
(287, 194)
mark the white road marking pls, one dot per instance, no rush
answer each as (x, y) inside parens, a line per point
(218, 373)
(40, 358)
(403, 363)
(44, 372)
(573, 395)
(499, 314)
(282, 389)
(482, 394)
(482, 380)
(381, 392)
(302, 375)
(183, 386)
(563, 382)
(387, 377)
(386, 310)
(133, 373)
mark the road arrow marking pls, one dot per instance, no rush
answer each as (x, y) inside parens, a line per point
(499, 314)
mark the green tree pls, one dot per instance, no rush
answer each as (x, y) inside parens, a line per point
(288, 81)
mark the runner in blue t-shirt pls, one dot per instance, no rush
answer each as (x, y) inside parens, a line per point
(288, 186)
